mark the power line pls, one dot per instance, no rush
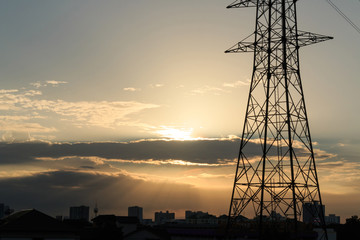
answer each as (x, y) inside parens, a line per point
(344, 16)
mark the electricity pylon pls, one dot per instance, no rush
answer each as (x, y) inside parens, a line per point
(276, 172)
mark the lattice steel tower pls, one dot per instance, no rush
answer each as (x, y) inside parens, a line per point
(276, 172)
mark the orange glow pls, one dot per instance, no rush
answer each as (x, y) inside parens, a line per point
(176, 134)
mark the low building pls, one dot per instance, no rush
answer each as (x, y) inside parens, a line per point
(127, 224)
(79, 213)
(164, 217)
(32, 224)
(116, 223)
(200, 217)
(332, 219)
(148, 222)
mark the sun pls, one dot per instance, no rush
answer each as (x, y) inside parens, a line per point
(175, 133)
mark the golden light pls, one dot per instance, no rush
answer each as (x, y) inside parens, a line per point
(175, 134)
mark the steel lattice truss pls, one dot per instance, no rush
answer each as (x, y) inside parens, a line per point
(276, 171)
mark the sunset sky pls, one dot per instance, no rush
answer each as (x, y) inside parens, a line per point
(122, 103)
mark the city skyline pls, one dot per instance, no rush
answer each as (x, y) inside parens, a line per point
(122, 103)
(87, 213)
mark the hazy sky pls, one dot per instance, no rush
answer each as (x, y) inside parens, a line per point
(137, 76)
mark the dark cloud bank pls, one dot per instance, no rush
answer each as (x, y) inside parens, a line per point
(54, 191)
(203, 151)
(207, 151)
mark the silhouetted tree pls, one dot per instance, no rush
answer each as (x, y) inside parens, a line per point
(349, 230)
(353, 220)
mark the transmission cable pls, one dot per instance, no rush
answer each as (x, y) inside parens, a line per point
(344, 16)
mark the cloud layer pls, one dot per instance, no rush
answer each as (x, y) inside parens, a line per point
(209, 151)
(26, 111)
(156, 174)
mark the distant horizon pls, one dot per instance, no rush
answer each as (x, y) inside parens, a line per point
(152, 218)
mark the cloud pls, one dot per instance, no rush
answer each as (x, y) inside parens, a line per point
(36, 84)
(20, 128)
(321, 155)
(55, 191)
(211, 151)
(16, 98)
(341, 175)
(174, 132)
(157, 85)
(55, 83)
(191, 151)
(101, 114)
(2, 91)
(149, 159)
(147, 173)
(101, 161)
(208, 89)
(18, 174)
(219, 90)
(237, 84)
(22, 132)
(131, 89)
(7, 107)
(52, 83)
(107, 114)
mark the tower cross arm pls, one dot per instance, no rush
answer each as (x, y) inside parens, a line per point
(303, 39)
(243, 3)
(245, 45)
(308, 38)
(241, 47)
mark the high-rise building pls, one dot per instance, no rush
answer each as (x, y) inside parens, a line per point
(136, 211)
(79, 213)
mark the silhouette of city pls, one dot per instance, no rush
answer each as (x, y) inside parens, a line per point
(34, 224)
